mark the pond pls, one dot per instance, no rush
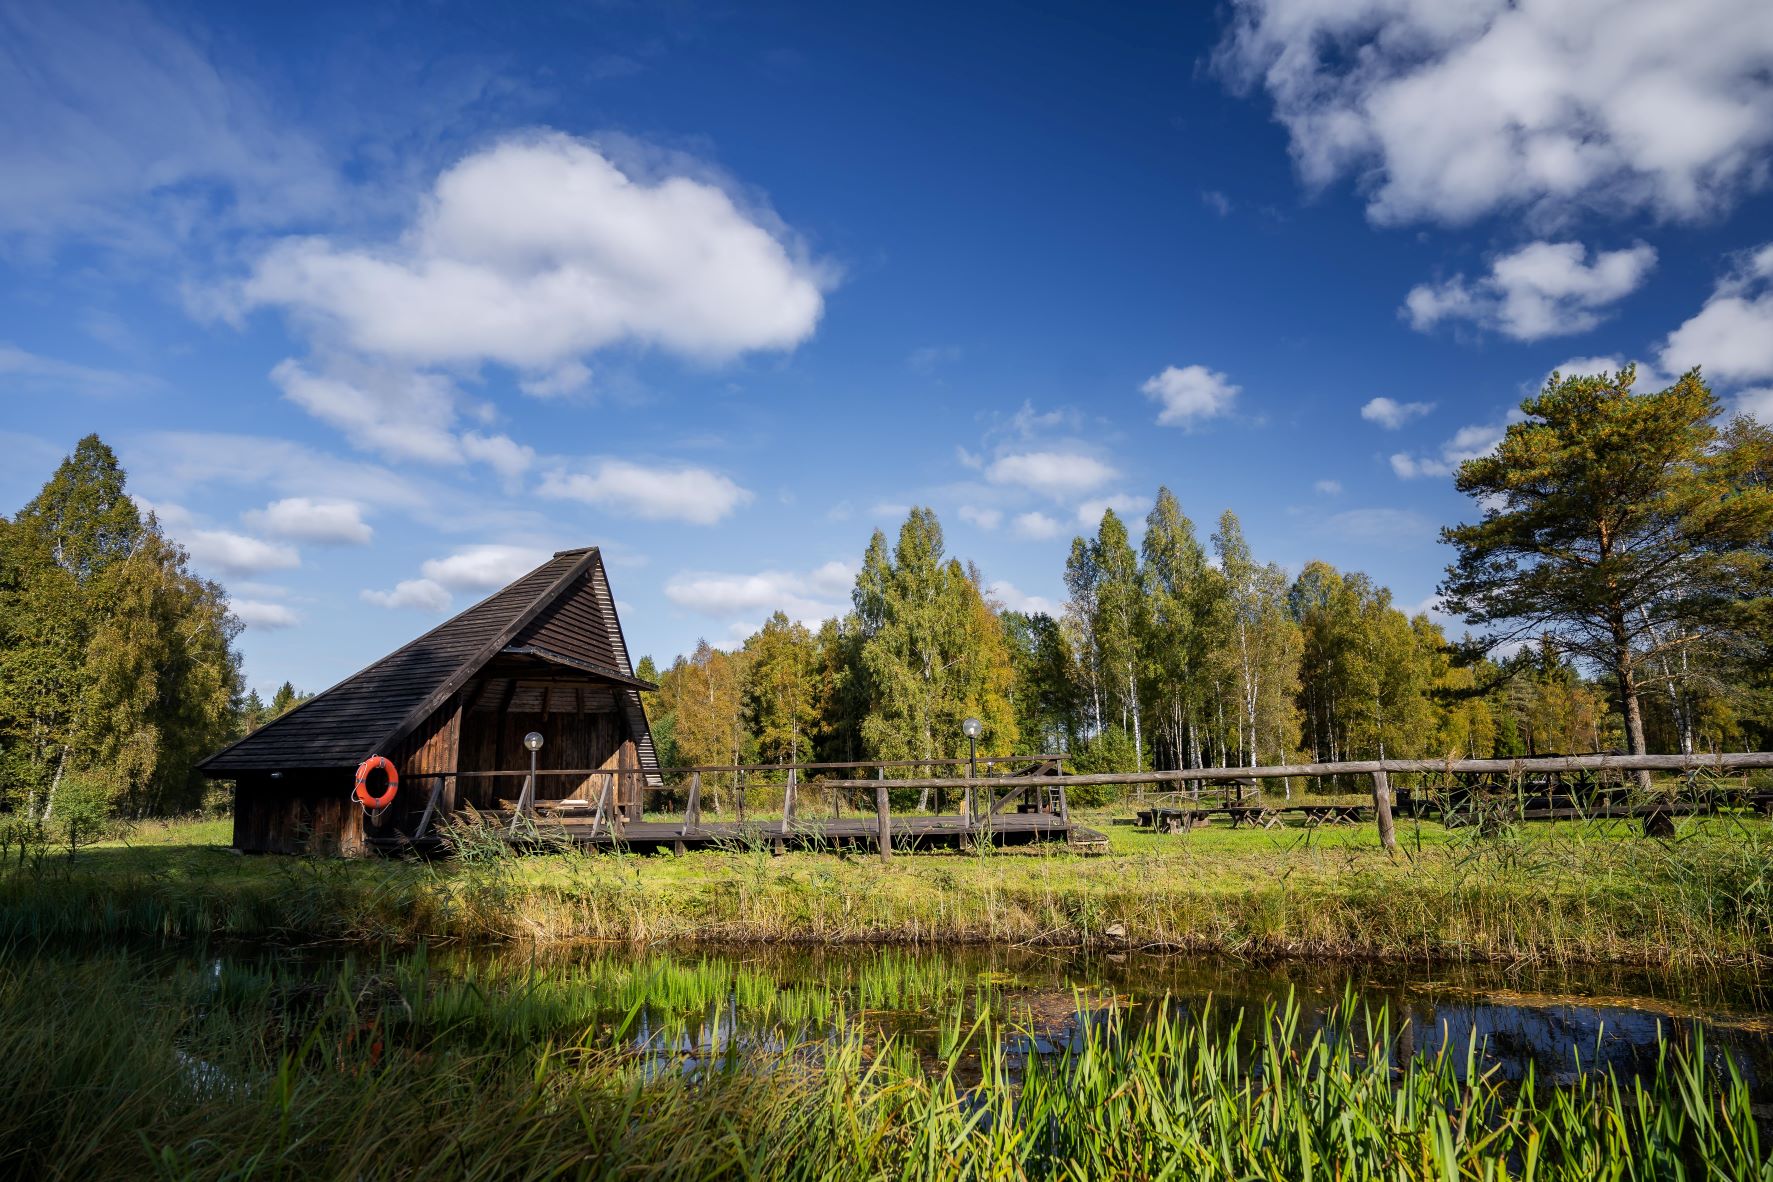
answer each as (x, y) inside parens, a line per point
(683, 1005)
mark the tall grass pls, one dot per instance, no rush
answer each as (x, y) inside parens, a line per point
(1569, 893)
(115, 1067)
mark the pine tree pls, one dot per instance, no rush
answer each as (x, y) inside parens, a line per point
(1613, 523)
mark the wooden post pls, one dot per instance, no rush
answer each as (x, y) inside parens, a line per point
(692, 816)
(1382, 809)
(883, 817)
(739, 794)
(788, 794)
(1064, 807)
(430, 810)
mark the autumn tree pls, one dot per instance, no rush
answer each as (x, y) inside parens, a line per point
(782, 689)
(1613, 523)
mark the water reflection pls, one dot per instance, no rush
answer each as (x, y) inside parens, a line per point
(1558, 1022)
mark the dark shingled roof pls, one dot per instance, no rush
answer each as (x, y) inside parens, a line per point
(370, 711)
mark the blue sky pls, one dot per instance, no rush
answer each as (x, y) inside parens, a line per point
(378, 304)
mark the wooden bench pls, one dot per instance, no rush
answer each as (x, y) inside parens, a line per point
(1257, 816)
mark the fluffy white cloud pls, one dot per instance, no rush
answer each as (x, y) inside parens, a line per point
(1329, 488)
(395, 412)
(482, 568)
(983, 518)
(651, 492)
(1189, 394)
(267, 617)
(421, 594)
(310, 519)
(1455, 110)
(1013, 599)
(538, 250)
(1129, 508)
(236, 554)
(1757, 402)
(1467, 443)
(809, 596)
(501, 453)
(1732, 336)
(1391, 414)
(1543, 289)
(1035, 526)
(1055, 473)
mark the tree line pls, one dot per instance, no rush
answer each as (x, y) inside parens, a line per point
(1618, 570)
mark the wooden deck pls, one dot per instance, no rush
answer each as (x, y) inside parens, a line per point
(858, 833)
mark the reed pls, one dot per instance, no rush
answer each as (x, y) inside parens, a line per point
(1571, 893)
(112, 1066)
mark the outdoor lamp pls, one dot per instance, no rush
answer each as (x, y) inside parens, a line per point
(533, 740)
(972, 728)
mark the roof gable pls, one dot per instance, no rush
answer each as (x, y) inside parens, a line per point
(566, 599)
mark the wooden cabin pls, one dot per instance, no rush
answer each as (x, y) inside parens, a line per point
(544, 654)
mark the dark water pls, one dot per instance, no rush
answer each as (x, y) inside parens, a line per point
(698, 1001)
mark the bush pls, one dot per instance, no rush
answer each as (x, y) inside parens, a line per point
(81, 813)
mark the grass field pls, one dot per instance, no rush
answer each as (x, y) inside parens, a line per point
(1590, 892)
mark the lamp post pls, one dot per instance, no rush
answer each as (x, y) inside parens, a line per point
(971, 728)
(533, 741)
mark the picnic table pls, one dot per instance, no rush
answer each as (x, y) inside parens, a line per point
(1333, 814)
(1256, 816)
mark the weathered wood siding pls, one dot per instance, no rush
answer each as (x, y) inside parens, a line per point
(302, 812)
(493, 741)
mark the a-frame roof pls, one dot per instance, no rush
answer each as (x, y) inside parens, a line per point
(563, 608)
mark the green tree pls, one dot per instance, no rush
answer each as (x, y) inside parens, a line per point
(1259, 649)
(1178, 590)
(782, 689)
(1614, 524)
(932, 650)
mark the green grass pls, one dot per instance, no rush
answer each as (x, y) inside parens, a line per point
(113, 1065)
(1572, 893)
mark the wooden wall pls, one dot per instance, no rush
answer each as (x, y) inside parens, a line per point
(301, 812)
(492, 741)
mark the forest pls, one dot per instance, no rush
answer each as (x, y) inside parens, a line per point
(1616, 581)
(1621, 540)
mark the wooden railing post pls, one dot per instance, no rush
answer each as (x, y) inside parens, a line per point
(739, 794)
(692, 815)
(788, 794)
(883, 817)
(618, 815)
(1382, 809)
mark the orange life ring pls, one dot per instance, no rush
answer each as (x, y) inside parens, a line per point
(367, 766)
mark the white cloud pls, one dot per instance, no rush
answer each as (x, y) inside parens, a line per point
(398, 413)
(1757, 402)
(310, 519)
(539, 250)
(1127, 507)
(236, 554)
(1013, 599)
(1035, 526)
(968, 459)
(1467, 443)
(482, 568)
(422, 594)
(121, 129)
(267, 617)
(983, 518)
(1732, 336)
(1216, 201)
(1055, 473)
(650, 492)
(810, 596)
(1329, 488)
(1543, 289)
(1454, 111)
(1391, 414)
(1189, 394)
(32, 373)
(501, 453)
